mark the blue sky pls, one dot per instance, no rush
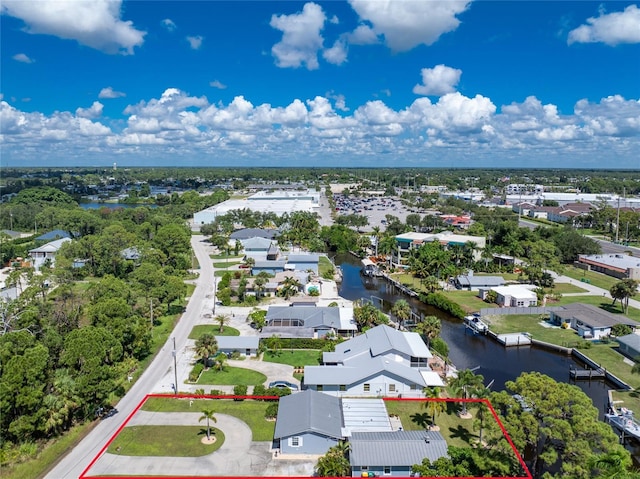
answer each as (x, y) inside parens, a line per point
(358, 83)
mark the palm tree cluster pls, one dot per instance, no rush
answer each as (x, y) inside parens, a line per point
(335, 463)
(205, 347)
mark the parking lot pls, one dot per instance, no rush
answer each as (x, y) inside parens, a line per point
(375, 208)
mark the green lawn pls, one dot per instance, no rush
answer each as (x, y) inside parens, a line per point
(294, 357)
(630, 400)
(597, 279)
(609, 358)
(170, 441)
(468, 300)
(214, 329)
(251, 412)
(232, 376)
(456, 431)
(324, 266)
(225, 257)
(226, 264)
(565, 288)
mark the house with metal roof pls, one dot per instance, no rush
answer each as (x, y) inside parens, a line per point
(589, 321)
(53, 235)
(380, 362)
(247, 233)
(629, 345)
(308, 423)
(473, 283)
(247, 346)
(393, 453)
(270, 267)
(46, 253)
(308, 322)
(303, 262)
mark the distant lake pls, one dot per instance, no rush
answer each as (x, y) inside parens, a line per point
(112, 206)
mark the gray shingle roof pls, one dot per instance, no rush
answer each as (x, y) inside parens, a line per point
(254, 232)
(237, 342)
(396, 448)
(592, 316)
(631, 340)
(304, 258)
(309, 411)
(382, 339)
(471, 281)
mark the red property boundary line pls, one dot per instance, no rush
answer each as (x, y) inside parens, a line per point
(84, 473)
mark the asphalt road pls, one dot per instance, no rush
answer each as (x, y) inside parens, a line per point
(78, 459)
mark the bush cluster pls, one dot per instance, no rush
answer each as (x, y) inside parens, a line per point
(443, 303)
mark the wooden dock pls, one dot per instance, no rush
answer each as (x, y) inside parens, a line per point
(587, 374)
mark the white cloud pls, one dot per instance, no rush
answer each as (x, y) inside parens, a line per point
(168, 24)
(407, 24)
(363, 35)
(609, 28)
(92, 112)
(195, 42)
(94, 23)
(337, 54)
(109, 92)
(22, 58)
(438, 81)
(176, 126)
(217, 84)
(301, 38)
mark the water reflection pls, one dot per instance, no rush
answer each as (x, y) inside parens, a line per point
(496, 363)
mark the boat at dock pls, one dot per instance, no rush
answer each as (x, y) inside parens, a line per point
(624, 422)
(476, 324)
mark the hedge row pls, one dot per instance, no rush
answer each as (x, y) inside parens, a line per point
(303, 343)
(443, 303)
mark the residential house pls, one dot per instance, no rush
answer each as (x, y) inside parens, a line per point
(46, 253)
(53, 235)
(247, 346)
(392, 453)
(270, 267)
(462, 222)
(308, 422)
(260, 249)
(472, 282)
(380, 362)
(589, 321)
(308, 322)
(248, 233)
(303, 262)
(520, 296)
(629, 345)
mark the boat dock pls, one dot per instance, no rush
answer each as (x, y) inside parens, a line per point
(584, 374)
(513, 339)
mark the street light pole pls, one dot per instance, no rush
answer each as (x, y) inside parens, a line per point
(175, 365)
(215, 293)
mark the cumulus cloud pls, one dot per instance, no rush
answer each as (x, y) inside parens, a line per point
(301, 38)
(168, 24)
(406, 25)
(438, 81)
(195, 42)
(22, 58)
(94, 23)
(94, 111)
(609, 28)
(110, 93)
(363, 35)
(217, 84)
(323, 131)
(337, 54)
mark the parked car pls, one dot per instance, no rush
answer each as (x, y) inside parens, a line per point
(283, 385)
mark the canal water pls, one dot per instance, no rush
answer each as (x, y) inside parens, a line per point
(466, 350)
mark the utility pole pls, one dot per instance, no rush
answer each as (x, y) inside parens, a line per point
(618, 220)
(174, 353)
(151, 311)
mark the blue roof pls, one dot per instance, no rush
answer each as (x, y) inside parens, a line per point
(51, 235)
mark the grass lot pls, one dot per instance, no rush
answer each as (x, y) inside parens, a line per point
(172, 441)
(597, 279)
(251, 412)
(630, 400)
(566, 288)
(468, 300)
(324, 266)
(604, 354)
(456, 431)
(201, 329)
(235, 376)
(224, 257)
(226, 264)
(294, 357)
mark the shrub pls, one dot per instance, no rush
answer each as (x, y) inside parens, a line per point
(443, 303)
(440, 346)
(271, 411)
(217, 392)
(195, 372)
(239, 390)
(259, 390)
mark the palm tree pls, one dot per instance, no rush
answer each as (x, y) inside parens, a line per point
(206, 347)
(290, 287)
(463, 384)
(208, 414)
(365, 315)
(375, 231)
(221, 319)
(623, 290)
(402, 311)
(219, 361)
(435, 406)
(431, 284)
(429, 328)
(335, 462)
(481, 392)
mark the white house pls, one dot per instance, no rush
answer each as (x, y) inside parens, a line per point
(381, 362)
(247, 346)
(590, 321)
(46, 253)
(513, 296)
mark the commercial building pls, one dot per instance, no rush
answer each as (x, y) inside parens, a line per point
(620, 266)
